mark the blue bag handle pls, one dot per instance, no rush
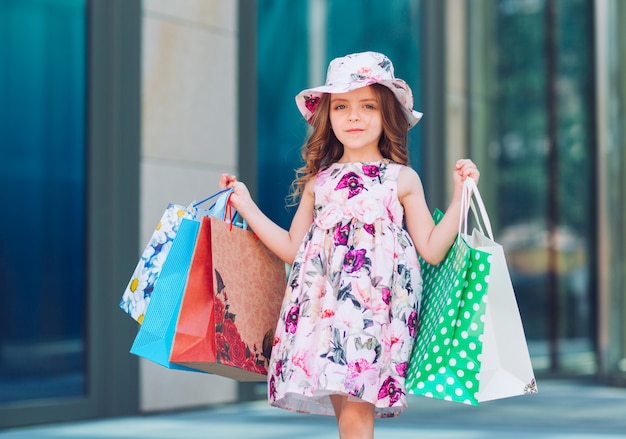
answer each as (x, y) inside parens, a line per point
(220, 204)
(219, 208)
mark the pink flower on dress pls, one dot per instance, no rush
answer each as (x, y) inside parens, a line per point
(402, 369)
(291, 321)
(301, 361)
(313, 249)
(272, 388)
(354, 260)
(367, 209)
(386, 295)
(369, 228)
(341, 234)
(393, 208)
(391, 389)
(353, 182)
(412, 323)
(357, 367)
(279, 367)
(329, 216)
(371, 170)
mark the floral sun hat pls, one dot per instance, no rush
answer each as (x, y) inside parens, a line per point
(354, 71)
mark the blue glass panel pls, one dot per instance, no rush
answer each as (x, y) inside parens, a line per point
(42, 176)
(282, 73)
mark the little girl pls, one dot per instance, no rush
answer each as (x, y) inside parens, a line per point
(349, 316)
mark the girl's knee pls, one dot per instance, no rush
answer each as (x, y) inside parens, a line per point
(356, 420)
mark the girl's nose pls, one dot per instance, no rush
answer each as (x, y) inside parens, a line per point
(354, 114)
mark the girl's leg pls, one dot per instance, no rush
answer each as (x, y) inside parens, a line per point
(354, 419)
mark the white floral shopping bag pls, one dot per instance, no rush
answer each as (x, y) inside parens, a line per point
(137, 294)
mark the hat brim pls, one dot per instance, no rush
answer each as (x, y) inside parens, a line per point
(305, 100)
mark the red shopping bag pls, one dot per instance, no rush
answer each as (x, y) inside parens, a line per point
(230, 305)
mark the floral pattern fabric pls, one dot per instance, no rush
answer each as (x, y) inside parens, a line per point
(349, 316)
(138, 292)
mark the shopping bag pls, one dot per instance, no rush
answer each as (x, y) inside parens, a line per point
(445, 360)
(231, 304)
(155, 336)
(154, 339)
(470, 332)
(506, 368)
(138, 292)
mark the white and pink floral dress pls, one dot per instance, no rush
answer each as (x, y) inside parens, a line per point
(350, 311)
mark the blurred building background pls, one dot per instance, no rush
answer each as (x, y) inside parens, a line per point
(111, 109)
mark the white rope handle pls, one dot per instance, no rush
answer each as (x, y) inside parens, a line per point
(465, 197)
(469, 189)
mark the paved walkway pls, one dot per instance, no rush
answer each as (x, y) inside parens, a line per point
(562, 409)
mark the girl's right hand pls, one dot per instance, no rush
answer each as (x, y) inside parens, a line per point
(240, 199)
(227, 181)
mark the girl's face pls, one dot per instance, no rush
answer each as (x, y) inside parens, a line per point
(356, 120)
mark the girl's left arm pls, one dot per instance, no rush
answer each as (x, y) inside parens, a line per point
(432, 241)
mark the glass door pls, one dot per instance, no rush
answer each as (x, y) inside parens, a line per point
(69, 160)
(42, 175)
(532, 130)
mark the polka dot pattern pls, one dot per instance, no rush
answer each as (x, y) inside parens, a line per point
(445, 361)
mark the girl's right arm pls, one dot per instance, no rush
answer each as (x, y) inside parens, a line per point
(283, 243)
(433, 241)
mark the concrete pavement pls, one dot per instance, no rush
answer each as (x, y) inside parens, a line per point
(562, 409)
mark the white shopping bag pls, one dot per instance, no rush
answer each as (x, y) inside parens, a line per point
(506, 369)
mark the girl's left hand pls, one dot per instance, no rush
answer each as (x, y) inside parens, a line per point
(465, 168)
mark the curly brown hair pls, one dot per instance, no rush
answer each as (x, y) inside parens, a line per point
(322, 148)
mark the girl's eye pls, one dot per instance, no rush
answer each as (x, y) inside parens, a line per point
(368, 106)
(340, 107)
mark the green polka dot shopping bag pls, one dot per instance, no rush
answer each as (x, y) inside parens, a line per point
(470, 345)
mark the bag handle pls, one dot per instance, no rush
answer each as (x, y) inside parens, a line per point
(211, 197)
(229, 211)
(223, 209)
(467, 203)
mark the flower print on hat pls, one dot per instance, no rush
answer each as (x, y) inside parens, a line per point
(310, 102)
(354, 71)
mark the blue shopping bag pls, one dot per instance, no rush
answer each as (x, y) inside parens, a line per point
(156, 334)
